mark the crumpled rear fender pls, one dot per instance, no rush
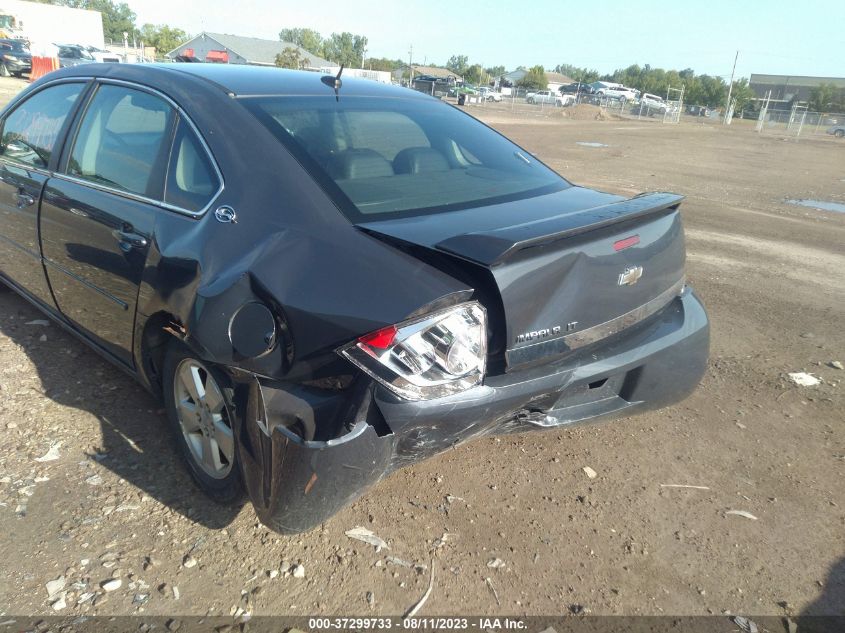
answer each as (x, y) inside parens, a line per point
(323, 290)
(296, 483)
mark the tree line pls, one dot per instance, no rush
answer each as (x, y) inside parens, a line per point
(344, 48)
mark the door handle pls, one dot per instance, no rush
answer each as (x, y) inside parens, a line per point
(131, 239)
(24, 199)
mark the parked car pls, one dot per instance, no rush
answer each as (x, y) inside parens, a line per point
(73, 55)
(619, 93)
(103, 56)
(697, 110)
(577, 88)
(325, 289)
(549, 97)
(652, 104)
(488, 94)
(15, 58)
(837, 130)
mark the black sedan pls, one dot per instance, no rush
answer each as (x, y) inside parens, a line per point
(327, 279)
(15, 58)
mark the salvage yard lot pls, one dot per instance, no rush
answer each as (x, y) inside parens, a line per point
(116, 503)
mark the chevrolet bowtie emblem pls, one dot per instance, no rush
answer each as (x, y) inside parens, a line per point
(630, 276)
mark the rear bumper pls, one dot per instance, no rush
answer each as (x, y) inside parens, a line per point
(654, 364)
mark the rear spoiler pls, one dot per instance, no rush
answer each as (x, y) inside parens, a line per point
(494, 246)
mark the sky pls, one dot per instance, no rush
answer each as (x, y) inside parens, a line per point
(772, 37)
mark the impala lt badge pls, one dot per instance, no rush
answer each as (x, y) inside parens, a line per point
(546, 332)
(630, 276)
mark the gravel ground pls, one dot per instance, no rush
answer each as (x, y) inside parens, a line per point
(94, 501)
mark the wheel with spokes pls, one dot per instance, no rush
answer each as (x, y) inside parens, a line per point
(201, 416)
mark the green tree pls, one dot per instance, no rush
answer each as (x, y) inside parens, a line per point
(584, 75)
(163, 37)
(309, 39)
(458, 64)
(495, 71)
(383, 63)
(345, 48)
(743, 94)
(823, 98)
(473, 74)
(290, 57)
(535, 79)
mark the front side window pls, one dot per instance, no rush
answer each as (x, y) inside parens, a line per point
(390, 157)
(191, 179)
(31, 130)
(123, 141)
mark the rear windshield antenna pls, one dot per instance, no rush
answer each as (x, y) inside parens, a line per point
(334, 82)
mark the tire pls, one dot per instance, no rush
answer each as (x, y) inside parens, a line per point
(210, 433)
(4, 71)
(531, 101)
(839, 133)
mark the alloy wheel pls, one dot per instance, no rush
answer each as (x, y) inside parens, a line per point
(203, 418)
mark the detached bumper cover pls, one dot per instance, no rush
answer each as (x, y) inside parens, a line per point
(652, 365)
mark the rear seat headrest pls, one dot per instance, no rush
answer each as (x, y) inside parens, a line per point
(359, 163)
(419, 160)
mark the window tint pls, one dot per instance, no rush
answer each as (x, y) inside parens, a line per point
(191, 180)
(31, 130)
(123, 141)
(389, 157)
(385, 132)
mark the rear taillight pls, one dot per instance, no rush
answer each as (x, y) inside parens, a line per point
(428, 357)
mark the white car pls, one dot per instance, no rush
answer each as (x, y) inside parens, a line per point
(653, 103)
(622, 93)
(551, 97)
(488, 94)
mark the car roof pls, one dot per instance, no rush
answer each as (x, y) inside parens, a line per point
(240, 80)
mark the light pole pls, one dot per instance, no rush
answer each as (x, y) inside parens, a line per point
(125, 46)
(730, 90)
(410, 66)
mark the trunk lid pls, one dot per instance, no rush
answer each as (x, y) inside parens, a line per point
(569, 268)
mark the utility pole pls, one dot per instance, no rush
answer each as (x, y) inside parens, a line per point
(411, 66)
(730, 90)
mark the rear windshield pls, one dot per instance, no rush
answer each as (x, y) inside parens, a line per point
(393, 157)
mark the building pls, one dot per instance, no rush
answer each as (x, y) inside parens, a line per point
(554, 80)
(788, 90)
(234, 49)
(46, 24)
(426, 71)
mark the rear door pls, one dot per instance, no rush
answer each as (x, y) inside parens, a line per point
(31, 133)
(98, 213)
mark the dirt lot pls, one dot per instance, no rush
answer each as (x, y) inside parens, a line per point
(117, 504)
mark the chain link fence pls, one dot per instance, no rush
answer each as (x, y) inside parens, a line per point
(800, 122)
(796, 122)
(549, 102)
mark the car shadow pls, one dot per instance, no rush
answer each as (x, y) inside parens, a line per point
(827, 612)
(136, 443)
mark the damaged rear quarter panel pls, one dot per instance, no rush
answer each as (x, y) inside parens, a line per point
(291, 249)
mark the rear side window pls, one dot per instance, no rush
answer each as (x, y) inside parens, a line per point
(123, 141)
(191, 179)
(30, 132)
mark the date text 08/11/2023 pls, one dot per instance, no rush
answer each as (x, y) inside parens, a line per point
(416, 623)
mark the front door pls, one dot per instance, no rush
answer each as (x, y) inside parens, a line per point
(98, 214)
(30, 133)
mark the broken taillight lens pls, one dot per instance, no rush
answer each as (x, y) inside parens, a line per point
(428, 357)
